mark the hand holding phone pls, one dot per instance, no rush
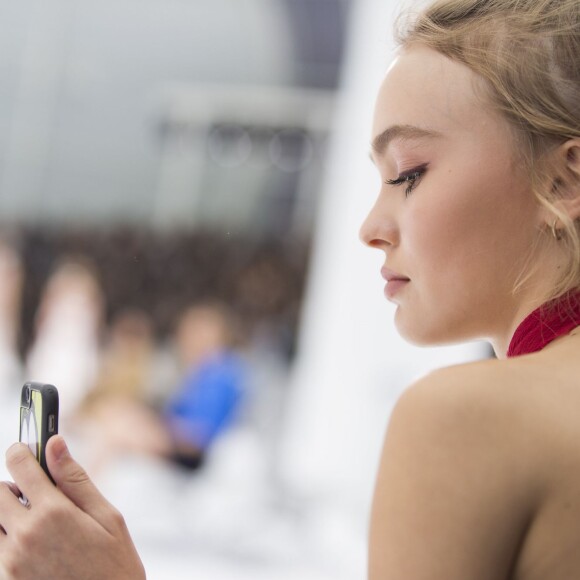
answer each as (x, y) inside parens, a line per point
(38, 418)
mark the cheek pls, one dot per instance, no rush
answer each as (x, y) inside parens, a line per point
(436, 231)
(450, 233)
(458, 233)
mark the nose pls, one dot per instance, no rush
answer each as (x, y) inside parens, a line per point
(379, 230)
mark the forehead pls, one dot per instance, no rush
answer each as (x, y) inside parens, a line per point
(425, 89)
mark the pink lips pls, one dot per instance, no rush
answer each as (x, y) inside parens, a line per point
(395, 282)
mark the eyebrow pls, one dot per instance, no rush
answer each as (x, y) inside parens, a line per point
(382, 141)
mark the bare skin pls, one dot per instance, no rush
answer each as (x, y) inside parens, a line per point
(480, 472)
(68, 532)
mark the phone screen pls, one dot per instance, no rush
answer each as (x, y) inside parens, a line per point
(31, 423)
(38, 418)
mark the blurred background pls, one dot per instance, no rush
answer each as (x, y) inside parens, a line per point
(181, 186)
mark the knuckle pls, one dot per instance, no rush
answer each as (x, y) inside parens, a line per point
(53, 512)
(16, 455)
(77, 475)
(9, 568)
(117, 518)
(24, 538)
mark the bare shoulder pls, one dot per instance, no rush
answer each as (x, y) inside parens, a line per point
(476, 407)
(456, 485)
(490, 399)
(529, 403)
(465, 392)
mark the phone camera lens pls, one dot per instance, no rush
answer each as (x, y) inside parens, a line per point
(27, 394)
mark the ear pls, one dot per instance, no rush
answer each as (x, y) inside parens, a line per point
(567, 183)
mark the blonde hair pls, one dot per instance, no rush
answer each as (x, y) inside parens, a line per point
(528, 52)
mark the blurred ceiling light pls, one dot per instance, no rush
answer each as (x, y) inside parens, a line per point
(229, 145)
(291, 150)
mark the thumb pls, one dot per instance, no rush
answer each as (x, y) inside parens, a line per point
(72, 480)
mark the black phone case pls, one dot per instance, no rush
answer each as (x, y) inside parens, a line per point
(39, 404)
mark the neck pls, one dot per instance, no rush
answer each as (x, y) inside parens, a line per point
(501, 340)
(542, 325)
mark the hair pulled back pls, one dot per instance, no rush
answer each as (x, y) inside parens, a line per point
(528, 52)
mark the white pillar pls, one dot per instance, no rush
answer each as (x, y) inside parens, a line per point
(351, 364)
(42, 67)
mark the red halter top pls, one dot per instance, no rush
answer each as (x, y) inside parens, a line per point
(545, 324)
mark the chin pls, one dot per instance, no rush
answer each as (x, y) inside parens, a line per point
(414, 334)
(418, 339)
(423, 334)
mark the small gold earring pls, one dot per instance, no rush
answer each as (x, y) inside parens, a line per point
(555, 231)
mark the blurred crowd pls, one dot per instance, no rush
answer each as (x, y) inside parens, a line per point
(155, 342)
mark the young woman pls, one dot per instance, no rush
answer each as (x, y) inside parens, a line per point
(477, 140)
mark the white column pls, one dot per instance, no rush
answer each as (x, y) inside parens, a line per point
(351, 364)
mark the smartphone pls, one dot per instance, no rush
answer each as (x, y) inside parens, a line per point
(38, 418)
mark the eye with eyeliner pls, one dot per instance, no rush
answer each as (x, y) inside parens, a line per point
(409, 177)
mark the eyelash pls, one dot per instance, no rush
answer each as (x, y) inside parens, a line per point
(411, 177)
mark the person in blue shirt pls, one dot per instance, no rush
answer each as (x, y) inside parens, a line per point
(206, 402)
(211, 393)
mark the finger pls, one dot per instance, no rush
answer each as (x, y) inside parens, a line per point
(11, 510)
(27, 473)
(74, 482)
(12, 487)
(17, 493)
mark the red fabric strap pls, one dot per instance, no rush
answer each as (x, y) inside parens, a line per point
(545, 324)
